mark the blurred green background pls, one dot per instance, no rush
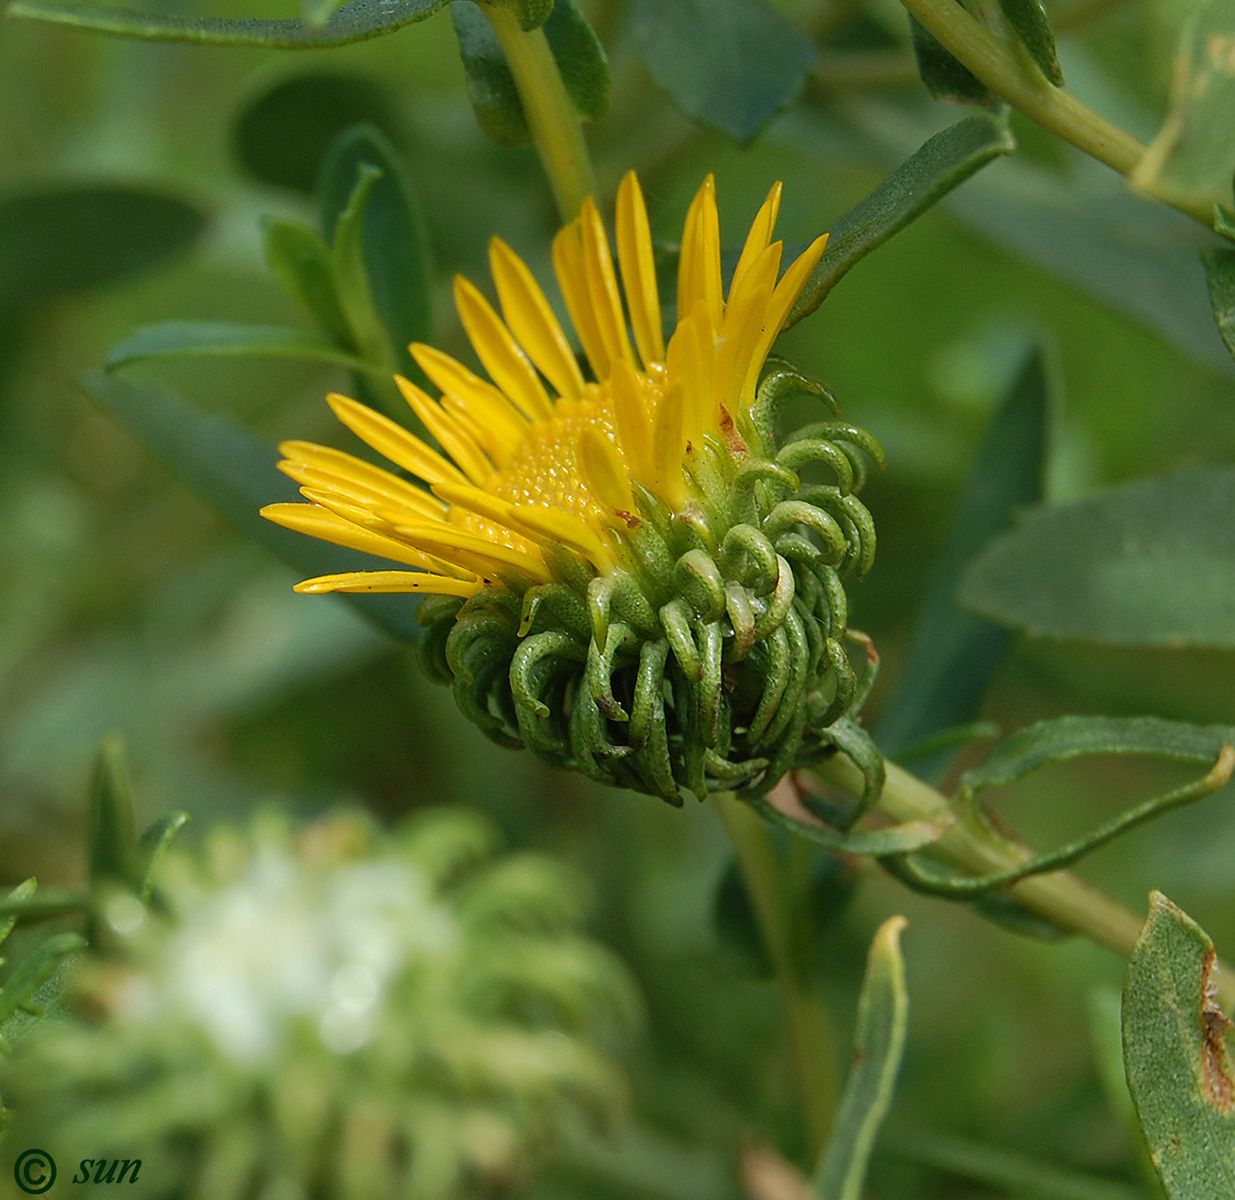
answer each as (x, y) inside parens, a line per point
(125, 604)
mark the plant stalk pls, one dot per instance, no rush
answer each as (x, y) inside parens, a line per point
(1060, 897)
(809, 1025)
(1013, 77)
(551, 117)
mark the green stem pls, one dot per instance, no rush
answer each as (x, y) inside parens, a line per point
(809, 1025)
(1059, 897)
(550, 115)
(1010, 75)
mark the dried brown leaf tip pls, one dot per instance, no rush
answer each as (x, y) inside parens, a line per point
(1219, 1088)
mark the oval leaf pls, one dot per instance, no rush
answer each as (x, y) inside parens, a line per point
(944, 76)
(1175, 1056)
(940, 164)
(282, 135)
(61, 239)
(301, 262)
(731, 64)
(1151, 563)
(381, 256)
(355, 22)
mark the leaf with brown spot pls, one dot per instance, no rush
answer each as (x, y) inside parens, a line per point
(1175, 1056)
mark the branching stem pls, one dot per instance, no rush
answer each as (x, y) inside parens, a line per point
(1059, 897)
(1012, 76)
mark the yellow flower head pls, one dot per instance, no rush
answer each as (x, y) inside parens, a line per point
(623, 582)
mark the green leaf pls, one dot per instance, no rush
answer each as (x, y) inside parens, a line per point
(1175, 1056)
(151, 847)
(879, 1043)
(730, 64)
(1151, 563)
(1058, 739)
(47, 902)
(1220, 277)
(112, 834)
(1193, 156)
(580, 58)
(954, 654)
(1029, 21)
(33, 972)
(235, 473)
(1081, 225)
(877, 843)
(60, 239)
(317, 12)
(930, 173)
(944, 76)
(355, 22)
(19, 896)
(1061, 738)
(300, 261)
(491, 86)
(379, 249)
(282, 134)
(532, 14)
(222, 339)
(1011, 1173)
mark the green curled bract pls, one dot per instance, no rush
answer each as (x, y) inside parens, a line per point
(714, 657)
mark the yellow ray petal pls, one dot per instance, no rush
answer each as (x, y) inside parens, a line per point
(760, 274)
(692, 365)
(481, 503)
(572, 280)
(759, 237)
(389, 581)
(634, 242)
(396, 443)
(602, 286)
(452, 377)
(554, 525)
(531, 320)
(454, 440)
(383, 523)
(604, 471)
(502, 356)
(498, 443)
(365, 489)
(634, 430)
(322, 466)
(749, 301)
(458, 545)
(699, 263)
(328, 526)
(668, 449)
(786, 292)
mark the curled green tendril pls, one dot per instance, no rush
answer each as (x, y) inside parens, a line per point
(715, 657)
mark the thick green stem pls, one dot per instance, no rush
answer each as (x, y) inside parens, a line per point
(814, 1059)
(1010, 74)
(1059, 897)
(550, 115)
